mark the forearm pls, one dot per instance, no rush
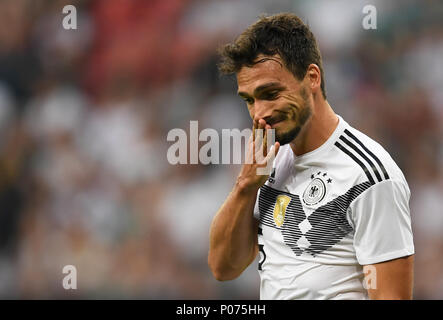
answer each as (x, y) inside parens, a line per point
(233, 235)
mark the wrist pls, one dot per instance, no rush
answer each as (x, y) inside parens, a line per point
(245, 187)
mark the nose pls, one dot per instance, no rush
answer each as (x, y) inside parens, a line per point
(262, 110)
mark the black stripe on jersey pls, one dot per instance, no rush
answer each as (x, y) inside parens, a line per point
(369, 152)
(329, 223)
(373, 167)
(294, 215)
(361, 164)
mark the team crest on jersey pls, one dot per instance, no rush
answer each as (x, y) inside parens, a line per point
(280, 209)
(316, 190)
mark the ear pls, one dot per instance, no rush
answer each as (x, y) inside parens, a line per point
(313, 77)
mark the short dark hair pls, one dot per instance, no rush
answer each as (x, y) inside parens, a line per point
(284, 34)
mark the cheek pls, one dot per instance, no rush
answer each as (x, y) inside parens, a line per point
(291, 98)
(293, 103)
(291, 110)
(251, 112)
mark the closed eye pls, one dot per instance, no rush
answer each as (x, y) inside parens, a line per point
(271, 95)
(248, 100)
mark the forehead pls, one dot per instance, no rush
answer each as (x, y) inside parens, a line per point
(265, 70)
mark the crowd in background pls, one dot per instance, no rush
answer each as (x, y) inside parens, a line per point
(84, 116)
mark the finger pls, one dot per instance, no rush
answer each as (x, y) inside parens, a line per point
(260, 137)
(250, 151)
(265, 140)
(259, 132)
(254, 127)
(276, 148)
(253, 142)
(265, 167)
(262, 126)
(272, 153)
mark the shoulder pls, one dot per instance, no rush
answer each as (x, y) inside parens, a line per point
(368, 157)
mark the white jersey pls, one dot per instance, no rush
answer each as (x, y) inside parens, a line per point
(326, 213)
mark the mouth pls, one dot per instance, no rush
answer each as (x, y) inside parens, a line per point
(275, 121)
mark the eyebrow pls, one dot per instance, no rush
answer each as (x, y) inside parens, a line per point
(261, 88)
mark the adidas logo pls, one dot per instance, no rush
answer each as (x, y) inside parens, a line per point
(272, 176)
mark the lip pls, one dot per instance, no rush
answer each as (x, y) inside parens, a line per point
(276, 123)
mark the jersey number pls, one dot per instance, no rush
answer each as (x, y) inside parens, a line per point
(262, 250)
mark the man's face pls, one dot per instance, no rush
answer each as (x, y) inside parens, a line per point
(272, 93)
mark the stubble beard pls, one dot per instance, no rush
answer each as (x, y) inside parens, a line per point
(303, 117)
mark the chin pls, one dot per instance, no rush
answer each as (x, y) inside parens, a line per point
(288, 136)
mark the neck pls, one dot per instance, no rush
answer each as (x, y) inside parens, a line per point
(317, 130)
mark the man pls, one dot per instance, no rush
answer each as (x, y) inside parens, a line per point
(335, 204)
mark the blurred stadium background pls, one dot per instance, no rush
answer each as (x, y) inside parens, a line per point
(84, 116)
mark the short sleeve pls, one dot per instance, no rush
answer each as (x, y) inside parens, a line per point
(382, 223)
